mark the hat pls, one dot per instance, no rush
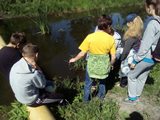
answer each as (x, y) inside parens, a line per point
(131, 17)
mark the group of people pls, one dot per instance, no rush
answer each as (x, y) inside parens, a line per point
(136, 54)
(19, 66)
(18, 59)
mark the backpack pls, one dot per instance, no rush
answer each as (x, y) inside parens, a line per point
(156, 52)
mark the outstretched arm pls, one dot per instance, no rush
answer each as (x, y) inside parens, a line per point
(79, 56)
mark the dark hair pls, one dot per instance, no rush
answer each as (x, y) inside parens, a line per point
(156, 5)
(18, 38)
(104, 23)
(30, 50)
(112, 32)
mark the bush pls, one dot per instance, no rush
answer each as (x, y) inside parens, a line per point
(16, 111)
(93, 110)
(79, 65)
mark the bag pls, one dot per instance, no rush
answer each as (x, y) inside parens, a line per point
(156, 52)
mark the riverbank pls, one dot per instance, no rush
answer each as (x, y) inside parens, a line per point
(58, 7)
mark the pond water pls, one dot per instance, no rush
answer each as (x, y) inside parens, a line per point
(66, 34)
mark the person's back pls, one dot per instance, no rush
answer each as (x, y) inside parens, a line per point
(21, 80)
(99, 42)
(28, 81)
(8, 56)
(10, 53)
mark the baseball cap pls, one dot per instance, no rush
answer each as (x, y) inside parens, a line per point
(131, 17)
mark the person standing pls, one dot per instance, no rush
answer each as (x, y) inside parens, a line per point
(131, 42)
(98, 45)
(143, 60)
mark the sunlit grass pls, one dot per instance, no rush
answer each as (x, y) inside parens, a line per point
(30, 7)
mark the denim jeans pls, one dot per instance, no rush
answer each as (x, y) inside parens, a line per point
(88, 85)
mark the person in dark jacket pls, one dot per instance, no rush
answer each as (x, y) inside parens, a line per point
(10, 53)
(131, 43)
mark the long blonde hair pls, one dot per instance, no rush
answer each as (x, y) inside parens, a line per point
(135, 29)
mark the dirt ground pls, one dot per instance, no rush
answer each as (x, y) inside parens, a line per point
(141, 110)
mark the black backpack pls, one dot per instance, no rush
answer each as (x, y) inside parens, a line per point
(156, 52)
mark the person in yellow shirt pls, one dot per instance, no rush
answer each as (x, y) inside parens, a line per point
(99, 45)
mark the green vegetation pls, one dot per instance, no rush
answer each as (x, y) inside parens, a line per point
(28, 7)
(94, 110)
(42, 23)
(152, 88)
(16, 111)
(78, 110)
(79, 65)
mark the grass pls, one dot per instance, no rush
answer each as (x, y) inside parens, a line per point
(152, 88)
(31, 7)
(95, 109)
(16, 111)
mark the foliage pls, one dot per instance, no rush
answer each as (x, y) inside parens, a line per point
(79, 65)
(4, 112)
(16, 111)
(152, 88)
(41, 20)
(27, 7)
(71, 88)
(93, 110)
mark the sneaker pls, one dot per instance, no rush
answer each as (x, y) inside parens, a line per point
(129, 101)
(123, 82)
(52, 97)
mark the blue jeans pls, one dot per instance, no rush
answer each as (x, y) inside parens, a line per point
(88, 85)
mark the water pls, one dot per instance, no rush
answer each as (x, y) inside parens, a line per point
(66, 34)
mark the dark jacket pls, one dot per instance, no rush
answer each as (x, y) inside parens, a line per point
(131, 43)
(8, 56)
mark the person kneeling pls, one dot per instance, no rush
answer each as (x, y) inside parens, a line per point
(28, 81)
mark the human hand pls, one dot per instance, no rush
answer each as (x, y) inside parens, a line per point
(72, 60)
(132, 66)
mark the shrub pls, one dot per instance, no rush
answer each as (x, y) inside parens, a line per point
(93, 110)
(16, 111)
(79, 65)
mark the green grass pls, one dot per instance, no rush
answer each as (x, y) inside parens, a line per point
(152, 88)
(31, 7)
(16, 111)
(94, 110)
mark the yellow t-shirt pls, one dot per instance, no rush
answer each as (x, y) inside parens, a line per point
(98, 42)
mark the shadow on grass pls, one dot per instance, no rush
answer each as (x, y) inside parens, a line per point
(113, 77)
(150, 81)
(135, 116)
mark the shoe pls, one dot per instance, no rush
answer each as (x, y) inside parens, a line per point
(131, 102)
(123, 82)
(52, 97)
(63, 102)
